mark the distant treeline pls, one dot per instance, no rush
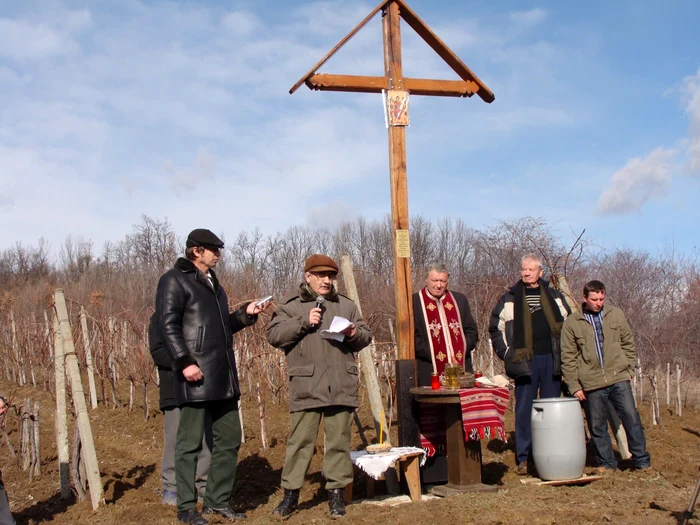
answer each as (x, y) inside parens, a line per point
(660, 293)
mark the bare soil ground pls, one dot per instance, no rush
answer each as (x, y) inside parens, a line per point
(129, 449)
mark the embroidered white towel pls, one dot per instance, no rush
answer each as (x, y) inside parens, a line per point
(375, 465)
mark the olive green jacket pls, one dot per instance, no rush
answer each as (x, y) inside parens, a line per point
(322, 372)
(579, 362)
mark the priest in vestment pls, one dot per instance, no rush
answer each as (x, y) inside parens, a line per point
(445, 332)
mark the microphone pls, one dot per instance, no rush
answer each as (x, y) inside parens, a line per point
(319, 303)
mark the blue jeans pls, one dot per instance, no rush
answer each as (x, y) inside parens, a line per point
(541, 378)
(620, 395)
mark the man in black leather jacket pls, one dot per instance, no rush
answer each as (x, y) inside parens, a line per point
(197, 330)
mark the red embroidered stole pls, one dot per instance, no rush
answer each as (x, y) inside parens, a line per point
(445, 333)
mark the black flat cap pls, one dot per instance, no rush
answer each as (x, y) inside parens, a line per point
(203, 237)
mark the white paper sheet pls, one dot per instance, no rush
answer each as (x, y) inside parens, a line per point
(338, 324)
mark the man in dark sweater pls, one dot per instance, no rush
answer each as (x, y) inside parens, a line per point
(525, 330)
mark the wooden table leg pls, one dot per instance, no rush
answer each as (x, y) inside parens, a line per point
(370, 487)
(347, 493)
(411, 472)
(463, 459)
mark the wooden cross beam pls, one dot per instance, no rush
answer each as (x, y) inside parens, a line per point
(471, 83)
(415, 86)
(394, 81)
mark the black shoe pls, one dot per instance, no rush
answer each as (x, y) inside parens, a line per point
(191, 517)
(336, 503)
(227, 512)
(289, 503)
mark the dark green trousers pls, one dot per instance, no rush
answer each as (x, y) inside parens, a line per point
(226, 431)
(337, 465)
(5, 516)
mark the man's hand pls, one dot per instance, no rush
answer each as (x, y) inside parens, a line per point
(580, 395)
(192, 373)
(3, 407)
(350, 331)
(315, 316)
(254, 308)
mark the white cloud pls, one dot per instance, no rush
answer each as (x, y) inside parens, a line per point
(642, 179)
(7, 200)
(21, 40)
(331, 215)
(693, 156)
(525, 117)
(75, 21)
(637, 182)
(328, 19)
(691, 96)
(132, 107)
(184, 181)
(242, 23)
(529, 18)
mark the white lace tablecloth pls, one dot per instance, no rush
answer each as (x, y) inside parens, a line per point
(375, 465)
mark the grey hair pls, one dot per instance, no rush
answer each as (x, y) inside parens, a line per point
(532, 257)
(437, 266)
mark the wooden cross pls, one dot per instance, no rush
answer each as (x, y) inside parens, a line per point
(395, 86)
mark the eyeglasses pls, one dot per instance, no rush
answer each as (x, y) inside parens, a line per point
(323, 275)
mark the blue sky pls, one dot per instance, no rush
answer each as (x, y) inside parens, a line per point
(114, 109)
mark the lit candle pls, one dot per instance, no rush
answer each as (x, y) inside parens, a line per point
(381, 428)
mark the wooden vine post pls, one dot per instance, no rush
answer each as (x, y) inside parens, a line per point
(15, 347)
(366, 359)
(61, 417)
(396, 88)
(88, 358)
(83, 420)
(36, 467)
(679, 405)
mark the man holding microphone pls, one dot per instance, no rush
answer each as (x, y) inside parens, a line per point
(323, 380)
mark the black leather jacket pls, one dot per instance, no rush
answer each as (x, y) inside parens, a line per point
(162, 360)
(197, 328)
